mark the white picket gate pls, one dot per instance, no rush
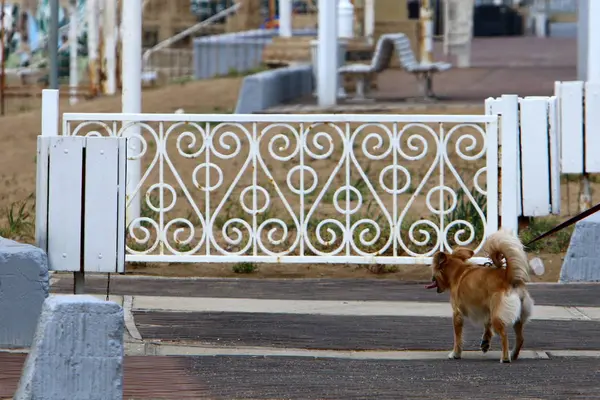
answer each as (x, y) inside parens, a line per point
(269, 188)
(530, 146)
(578, 105)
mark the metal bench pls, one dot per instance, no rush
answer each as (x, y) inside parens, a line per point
(423, 72)
(382, 57)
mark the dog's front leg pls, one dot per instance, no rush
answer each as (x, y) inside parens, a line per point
(457, 321)
(487, 337)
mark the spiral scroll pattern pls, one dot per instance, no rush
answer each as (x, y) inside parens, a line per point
(324, 191)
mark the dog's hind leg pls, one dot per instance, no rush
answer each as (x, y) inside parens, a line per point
(486, 338)
(457, 321)
(499, 328)
(526, 309)
(518, 340)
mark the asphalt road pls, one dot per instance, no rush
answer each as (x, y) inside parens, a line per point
(311, 289)
(349, 332)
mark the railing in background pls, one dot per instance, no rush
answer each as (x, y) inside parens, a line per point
(181, 35)
(172, 64)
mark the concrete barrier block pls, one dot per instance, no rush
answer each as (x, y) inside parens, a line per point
(582, 261)
(274, 87)
(24, 285)
(77, 351)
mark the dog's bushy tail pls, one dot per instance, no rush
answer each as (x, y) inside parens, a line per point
(505, 247)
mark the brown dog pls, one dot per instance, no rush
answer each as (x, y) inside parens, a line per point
(494, 297)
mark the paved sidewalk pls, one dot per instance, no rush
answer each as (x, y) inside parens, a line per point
(334, 339)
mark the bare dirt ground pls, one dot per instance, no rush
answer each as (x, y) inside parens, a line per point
(17, 176)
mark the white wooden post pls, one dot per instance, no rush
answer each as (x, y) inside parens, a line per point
(50, 118)
(64, 203)
(369, 22)
(104, 199)
(592, 124)
(285, 18)
(535, 172)
(593, 69)
(582, 38)
(73, 47)
(511, 180)
(110, 45)
(554, 134)
(327, 81)
(570, 99)
(132, 94)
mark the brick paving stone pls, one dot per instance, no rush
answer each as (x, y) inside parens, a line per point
(146, 377)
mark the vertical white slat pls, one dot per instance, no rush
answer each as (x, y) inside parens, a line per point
(41, 193)
(492, 176)
(571, 127)
(492, 106)
(50, 117)
(64, 203)
(122, 204)
(554, 140)
(100, 210)
(535, 160)
(592, 124)
(511, 181)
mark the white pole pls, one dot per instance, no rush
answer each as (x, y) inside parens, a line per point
(369, 13)
(593, 41)
(426, 17)
(540, 16)
(582, 39)
(92, 39)
(73, 67)
(132, 94)
(345, 19)
(110, 45)
(327, 53)
(285, 18)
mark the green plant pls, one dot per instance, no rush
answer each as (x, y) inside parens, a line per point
(359, 184)
(19, 223)
(380, 269)
(147, 212)
(556, 243)
(244, 268)
(466, 210)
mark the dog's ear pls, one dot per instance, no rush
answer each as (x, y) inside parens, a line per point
(440, 258)
(463, 253)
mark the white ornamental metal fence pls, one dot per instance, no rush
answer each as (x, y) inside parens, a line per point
(389, 189)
